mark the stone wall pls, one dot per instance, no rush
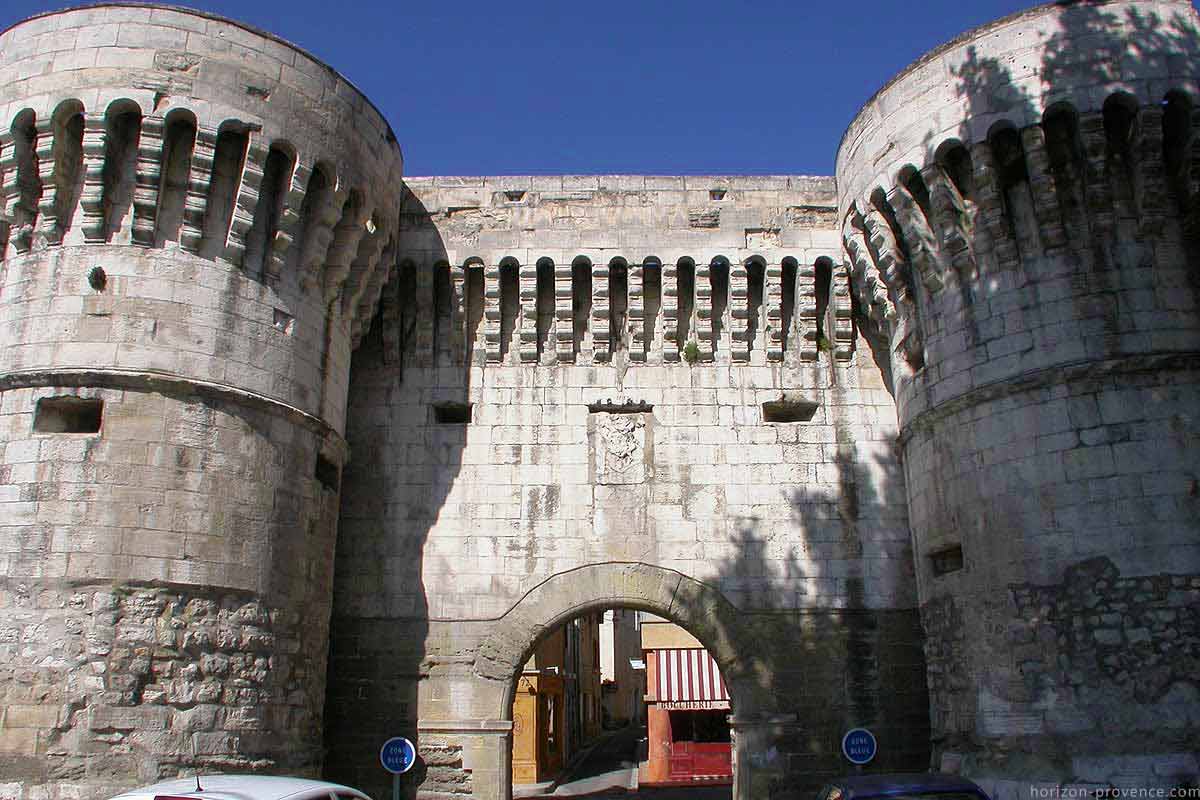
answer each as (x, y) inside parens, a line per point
(568, 456)
(165, 603)
(194, 222)
(1019, 223)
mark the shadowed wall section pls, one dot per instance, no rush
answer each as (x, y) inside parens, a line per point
(1018, 226)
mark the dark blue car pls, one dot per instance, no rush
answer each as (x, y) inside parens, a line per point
(896, 787)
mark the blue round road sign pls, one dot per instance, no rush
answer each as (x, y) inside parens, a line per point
(858, 745)
(397, 755)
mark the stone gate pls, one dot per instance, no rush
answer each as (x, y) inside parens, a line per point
(299, 454)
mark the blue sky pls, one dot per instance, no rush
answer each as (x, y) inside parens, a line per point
(649, 86)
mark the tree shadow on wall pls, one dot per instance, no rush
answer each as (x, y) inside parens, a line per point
(846, 648)
(1093, 49)
(406, 434)
(1096, 75)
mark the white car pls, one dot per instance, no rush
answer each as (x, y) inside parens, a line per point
(243, 787)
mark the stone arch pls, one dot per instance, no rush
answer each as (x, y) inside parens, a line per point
(699, 607)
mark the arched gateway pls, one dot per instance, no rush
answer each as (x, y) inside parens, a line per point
(694, 605)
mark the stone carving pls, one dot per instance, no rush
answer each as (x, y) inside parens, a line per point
(619, 445)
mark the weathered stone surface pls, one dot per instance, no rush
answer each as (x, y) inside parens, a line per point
(1047, 409)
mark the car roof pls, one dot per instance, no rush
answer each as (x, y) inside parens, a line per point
(237, 787)
(876, 785)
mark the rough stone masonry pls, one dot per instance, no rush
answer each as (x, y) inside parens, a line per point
(299, 454)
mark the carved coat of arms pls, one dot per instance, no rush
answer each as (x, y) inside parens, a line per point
(619, 448)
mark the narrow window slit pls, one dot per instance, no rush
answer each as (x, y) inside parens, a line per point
(581, 301)
(510, 304)
(442, 301)
(1177, 145)
(618, 299)
(474, 315)
(68, 163)
(406, 316)
(178, 142)
(719, 281)
(652, 302)
(823, 270)
(755, 288)
(123, 133)
(1120, 122)
(686, 277)
(29, 182)
(545, 305)
(788, 300)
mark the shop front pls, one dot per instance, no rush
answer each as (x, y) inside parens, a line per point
(687, 709)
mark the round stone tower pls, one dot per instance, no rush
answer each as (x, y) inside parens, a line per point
(1021, 219)
(197, 221)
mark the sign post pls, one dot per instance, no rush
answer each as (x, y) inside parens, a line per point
(859, 747)
(397, 756)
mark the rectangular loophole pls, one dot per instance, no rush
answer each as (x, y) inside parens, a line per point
(789, 410)
(327, 473)
(946, 560)
(68, 415)
(452, 413)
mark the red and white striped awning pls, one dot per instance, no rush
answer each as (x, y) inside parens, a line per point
(687, 676)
